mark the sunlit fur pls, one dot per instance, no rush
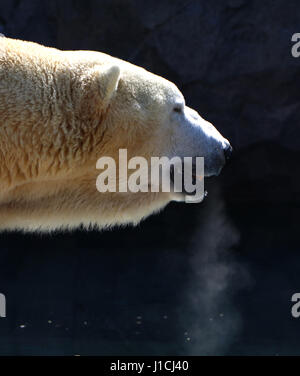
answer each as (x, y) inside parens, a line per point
(58, 115)
(59, 112)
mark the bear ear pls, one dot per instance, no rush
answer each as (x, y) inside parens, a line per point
(107, 79)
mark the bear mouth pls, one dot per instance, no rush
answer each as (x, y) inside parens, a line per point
(193, 179)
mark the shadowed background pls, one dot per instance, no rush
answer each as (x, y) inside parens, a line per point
(214, 278)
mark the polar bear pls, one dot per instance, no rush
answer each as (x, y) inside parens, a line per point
(62, 110)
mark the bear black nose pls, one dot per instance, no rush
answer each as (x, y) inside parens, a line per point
(228, 151)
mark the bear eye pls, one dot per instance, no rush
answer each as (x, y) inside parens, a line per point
(177, 109)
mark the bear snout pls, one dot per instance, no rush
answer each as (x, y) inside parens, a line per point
(227, 151)
(217, 156)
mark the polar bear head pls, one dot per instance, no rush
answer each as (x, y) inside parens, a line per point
(62, 111)
(148, 117)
